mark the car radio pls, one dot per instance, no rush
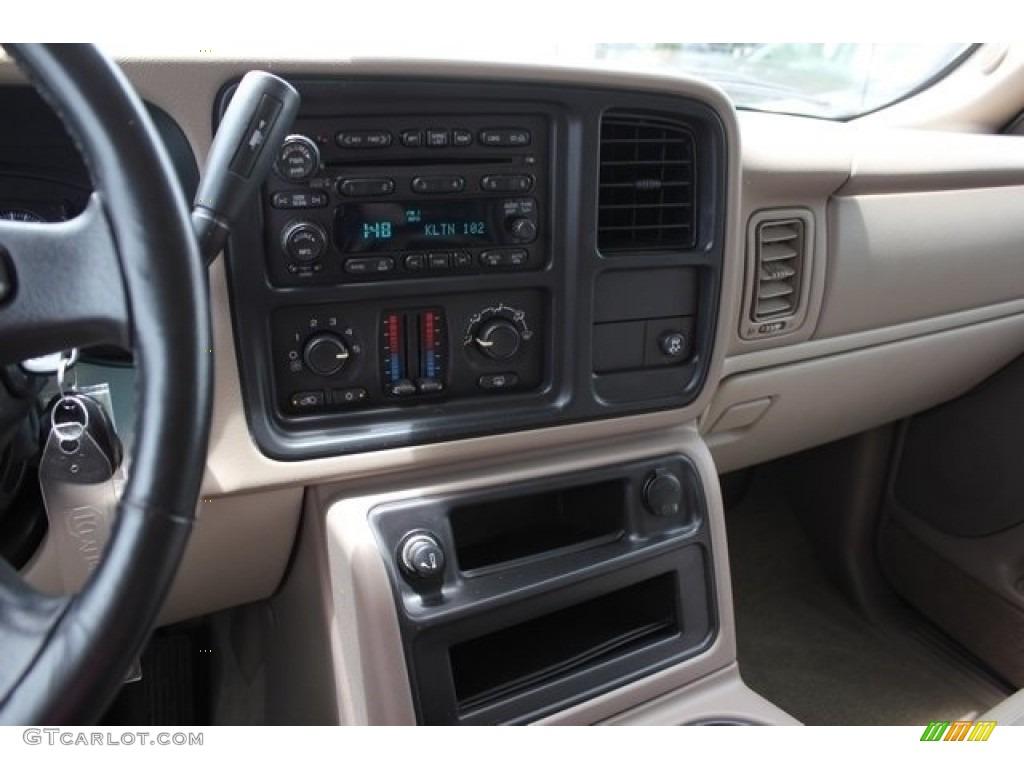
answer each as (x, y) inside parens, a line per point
(367, 199)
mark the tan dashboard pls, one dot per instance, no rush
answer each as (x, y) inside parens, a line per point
(906, 289)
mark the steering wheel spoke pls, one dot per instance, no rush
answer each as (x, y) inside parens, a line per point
(62, 288)
(26, 620)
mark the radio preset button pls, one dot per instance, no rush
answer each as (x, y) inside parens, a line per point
(462, 259)
(370, 266)
(462, 138)
(437, 137)
(519, 182)
(505, 137)
(432, 185)
(371, 139)
(366, 187)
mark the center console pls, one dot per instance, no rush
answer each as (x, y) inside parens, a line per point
(440, 259)
(436, 259)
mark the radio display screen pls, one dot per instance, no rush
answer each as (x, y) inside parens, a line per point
(427, 225)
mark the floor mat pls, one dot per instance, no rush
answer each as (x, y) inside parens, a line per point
(173, 688)
(803, 646)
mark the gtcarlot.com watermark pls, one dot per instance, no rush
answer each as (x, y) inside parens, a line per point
(69, 737)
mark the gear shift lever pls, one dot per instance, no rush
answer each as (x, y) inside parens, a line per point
(252, 129)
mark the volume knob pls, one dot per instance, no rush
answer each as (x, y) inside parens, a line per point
(304, 241)
(298, 158)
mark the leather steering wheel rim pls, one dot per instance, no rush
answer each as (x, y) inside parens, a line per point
(65, 657)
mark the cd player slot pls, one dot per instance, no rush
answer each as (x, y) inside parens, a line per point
(419, 162)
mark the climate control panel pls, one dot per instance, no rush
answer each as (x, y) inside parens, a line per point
(342, 357)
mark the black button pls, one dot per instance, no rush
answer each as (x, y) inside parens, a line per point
(507, 182)
(517, 257)
(402, 388)
(363, 139)
(412, 138)
(288, 200)
(415, 262)
(462, 260)
(462, 138)
(370, 266)
(305, 400)
(437, 137)
(432, 185)
(523, 206)
(491, 259)
(349, 396)
(505, 137)
(255, 135)
(492, 381)
(429, 386)
(672, 344)
(439, 260)
(366, 187)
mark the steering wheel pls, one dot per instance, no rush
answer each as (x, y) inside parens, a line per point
(125, 272)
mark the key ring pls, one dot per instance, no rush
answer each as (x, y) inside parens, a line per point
(70, 431)
(67, 362)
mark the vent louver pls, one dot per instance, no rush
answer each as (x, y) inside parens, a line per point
(779, 260)
(647, 188)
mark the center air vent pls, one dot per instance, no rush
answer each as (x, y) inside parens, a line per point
(647, 185)
(778, 261)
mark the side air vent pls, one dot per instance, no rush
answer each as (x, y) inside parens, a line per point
(647, 196)
(778, 260)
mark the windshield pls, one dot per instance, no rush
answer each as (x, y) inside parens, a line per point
(831, 80)
(834, 80)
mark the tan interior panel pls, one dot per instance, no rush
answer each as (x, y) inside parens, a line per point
(821, 400)
(899, 257)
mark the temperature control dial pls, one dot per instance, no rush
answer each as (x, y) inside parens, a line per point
(325, 354)
(298, 158)
(498, 339)
(498, 333)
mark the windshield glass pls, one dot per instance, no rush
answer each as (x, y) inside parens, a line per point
(835, 80)
(832, 80)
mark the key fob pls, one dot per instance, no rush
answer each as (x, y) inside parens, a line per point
(89, 449)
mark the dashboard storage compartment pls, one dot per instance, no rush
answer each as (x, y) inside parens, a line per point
(575, 638)
(505, 530)
(547, 593)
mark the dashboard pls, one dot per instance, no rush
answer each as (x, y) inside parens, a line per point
(470, 301)
(458, 260)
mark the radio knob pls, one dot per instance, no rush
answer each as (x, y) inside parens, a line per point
(325, 354)
(297, 159)
(523, 229)
(498, 339)
(304, 241)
